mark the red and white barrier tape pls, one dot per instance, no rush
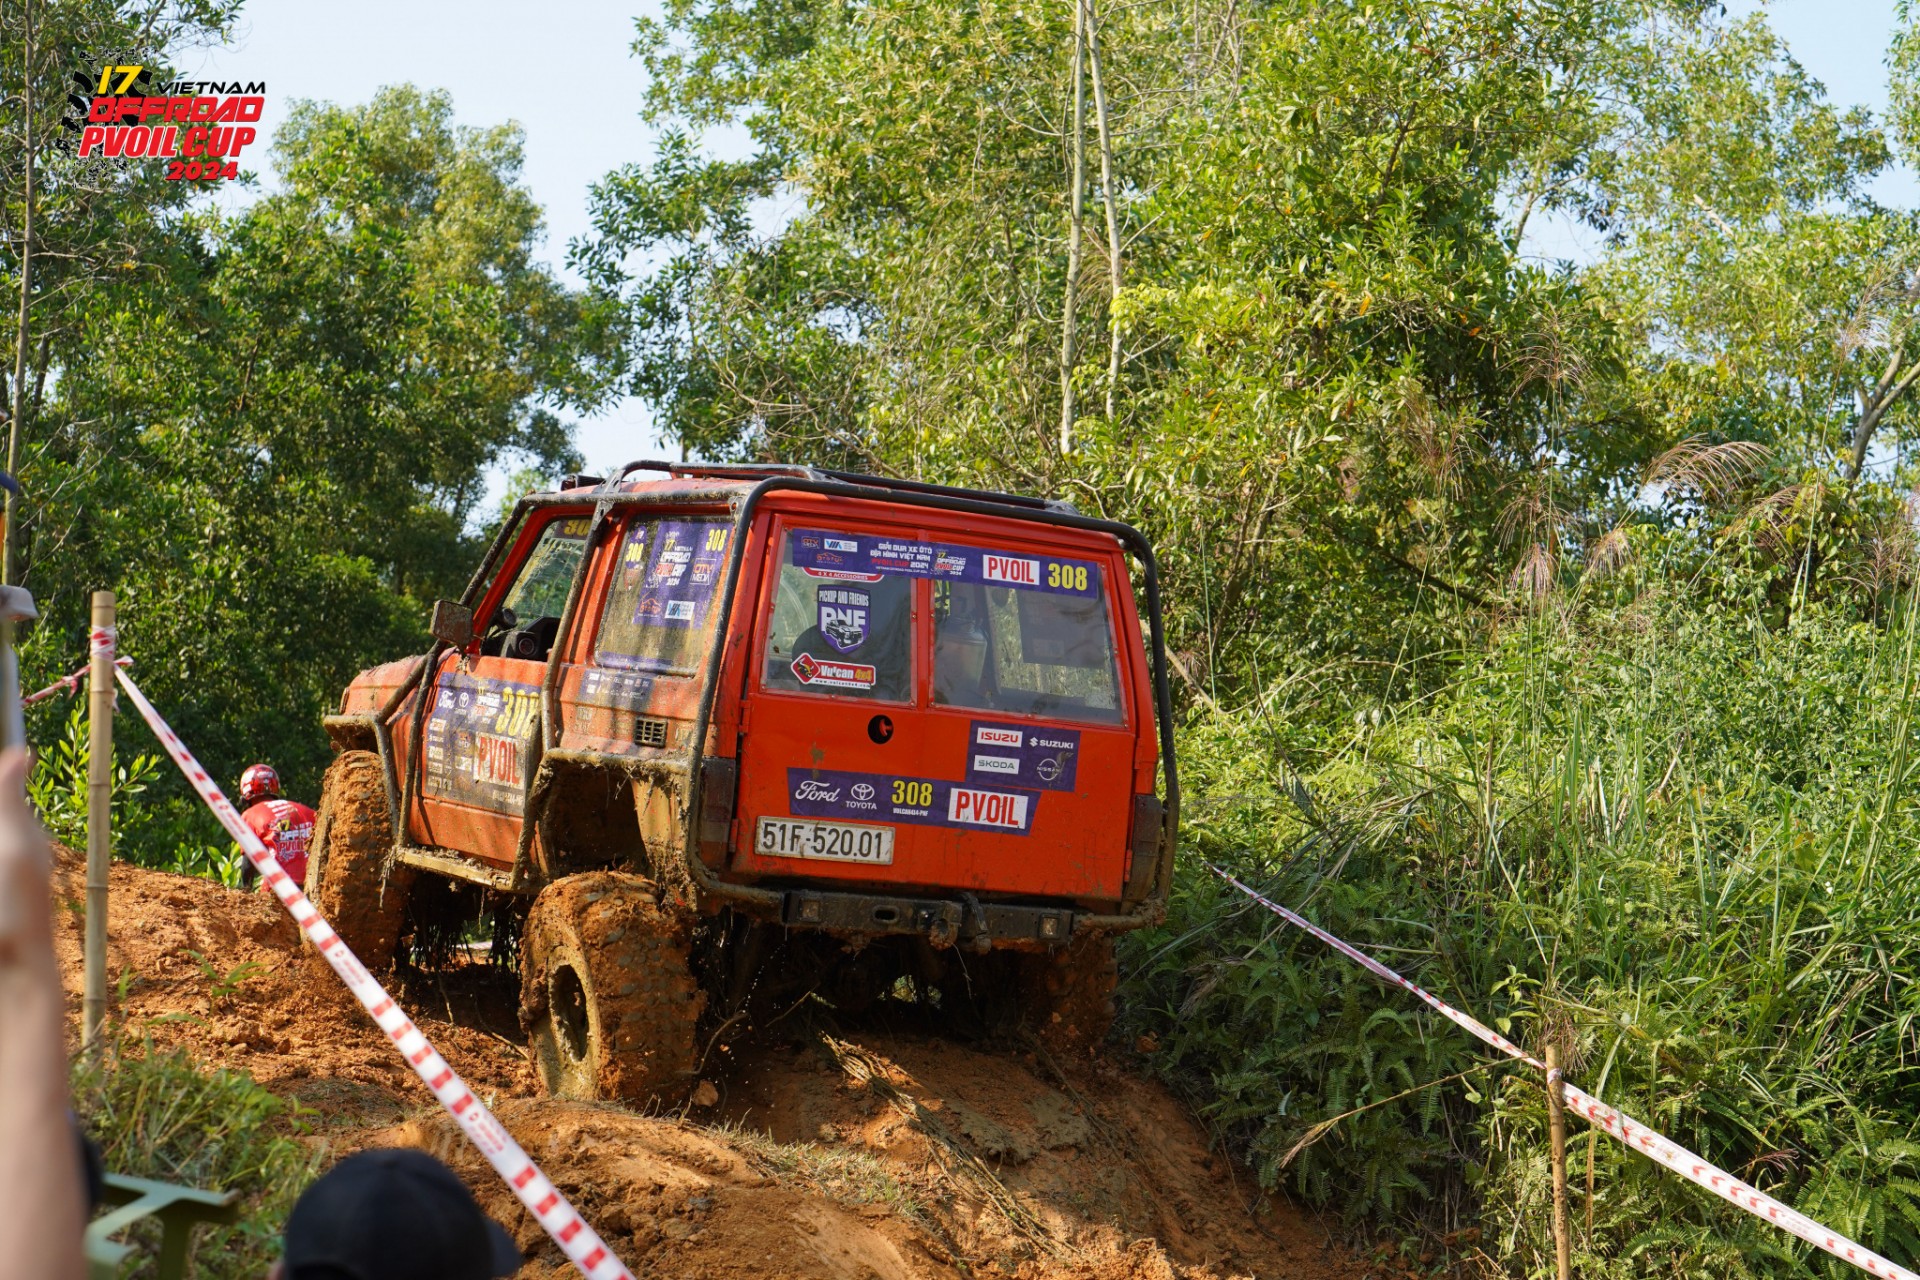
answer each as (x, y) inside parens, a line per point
(68, 683)
(1655, 1147)
(569, 1230)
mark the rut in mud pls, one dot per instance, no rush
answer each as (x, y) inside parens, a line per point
(821, 1151)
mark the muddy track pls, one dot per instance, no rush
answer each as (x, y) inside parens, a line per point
(884, 1150)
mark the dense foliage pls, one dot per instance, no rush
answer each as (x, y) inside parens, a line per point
(1544, 623)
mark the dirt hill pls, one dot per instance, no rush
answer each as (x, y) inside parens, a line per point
(891, 1153)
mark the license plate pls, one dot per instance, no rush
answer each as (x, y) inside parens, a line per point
(829, 841)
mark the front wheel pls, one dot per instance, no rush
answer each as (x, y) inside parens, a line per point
(348, 876)
(607, 992)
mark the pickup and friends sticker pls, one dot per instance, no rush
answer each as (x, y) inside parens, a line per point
(1016, 755)
(832, 793)
(844, 617)
(850, 557)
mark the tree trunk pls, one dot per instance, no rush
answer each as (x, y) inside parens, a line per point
(9, 556)
(1106, 197)
(1074, 220)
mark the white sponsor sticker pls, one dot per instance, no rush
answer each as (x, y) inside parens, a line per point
(841, 544)
(987, 809)
(496, 760)
(998, 737)
(996, 764)
(680, 610)
(1015, 569)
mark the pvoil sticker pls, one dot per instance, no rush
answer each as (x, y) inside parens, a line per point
(932, 802)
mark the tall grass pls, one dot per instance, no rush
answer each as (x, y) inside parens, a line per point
(1679, 843)
(160, 1114)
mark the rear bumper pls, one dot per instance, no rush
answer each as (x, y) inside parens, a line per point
(968, 922)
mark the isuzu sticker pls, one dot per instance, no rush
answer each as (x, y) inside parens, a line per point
(836, 555)
(476, 740)
(929, 802)
(844, 616)
(833, 673)
(1041, 756)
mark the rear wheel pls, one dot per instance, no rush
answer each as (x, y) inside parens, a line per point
(1066, 996)
(347, 875)
(607, 994)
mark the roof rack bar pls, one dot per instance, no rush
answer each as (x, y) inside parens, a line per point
(952, 491)
(763, 469)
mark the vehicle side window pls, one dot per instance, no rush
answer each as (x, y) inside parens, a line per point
(1036, 649)
(660, 607)
(540, 589)
(844, 634)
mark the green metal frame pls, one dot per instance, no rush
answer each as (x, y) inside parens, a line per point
(179, 1210)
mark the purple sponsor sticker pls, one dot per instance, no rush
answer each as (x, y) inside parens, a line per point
(845, 615)
(864, 557)
(930, 802)
(681, 572)
(477, 738)
(1017, 755)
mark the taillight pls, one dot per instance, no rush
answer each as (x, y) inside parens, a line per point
(717, 777)
(1149, 819)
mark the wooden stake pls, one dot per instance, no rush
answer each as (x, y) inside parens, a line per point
(1557, 1131)
(99, 812)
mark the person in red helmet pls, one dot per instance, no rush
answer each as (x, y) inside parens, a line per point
(284, 826)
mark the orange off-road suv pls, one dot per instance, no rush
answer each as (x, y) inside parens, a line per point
(738, 734)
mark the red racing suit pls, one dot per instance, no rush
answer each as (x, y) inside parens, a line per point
(285, 827)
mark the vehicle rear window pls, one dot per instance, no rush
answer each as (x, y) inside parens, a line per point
(840, 632)
(1041, 647)
(660, 608)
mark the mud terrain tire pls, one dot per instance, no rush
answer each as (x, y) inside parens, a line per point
(1066, 996)
(347, 877)
(607, 994)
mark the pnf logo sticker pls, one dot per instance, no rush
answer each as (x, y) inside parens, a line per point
(844, 616)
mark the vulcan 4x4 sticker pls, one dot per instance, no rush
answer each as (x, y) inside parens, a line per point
(1015, 755)
(930, 802)
(832, 673)
(863, 557)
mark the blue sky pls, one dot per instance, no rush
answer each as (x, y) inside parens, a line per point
(564, 71)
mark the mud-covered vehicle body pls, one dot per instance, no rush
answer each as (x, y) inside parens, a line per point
(746, 733)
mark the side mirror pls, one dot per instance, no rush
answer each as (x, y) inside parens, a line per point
(452, 624)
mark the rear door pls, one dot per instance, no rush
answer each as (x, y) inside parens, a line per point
(996, 754)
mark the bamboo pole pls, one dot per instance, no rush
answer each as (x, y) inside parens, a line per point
(9, 552)
(1557, 1130)
(99, 811)
(1106, 197)
(1076, 218)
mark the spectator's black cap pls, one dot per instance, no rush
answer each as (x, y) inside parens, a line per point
(394, 1215)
